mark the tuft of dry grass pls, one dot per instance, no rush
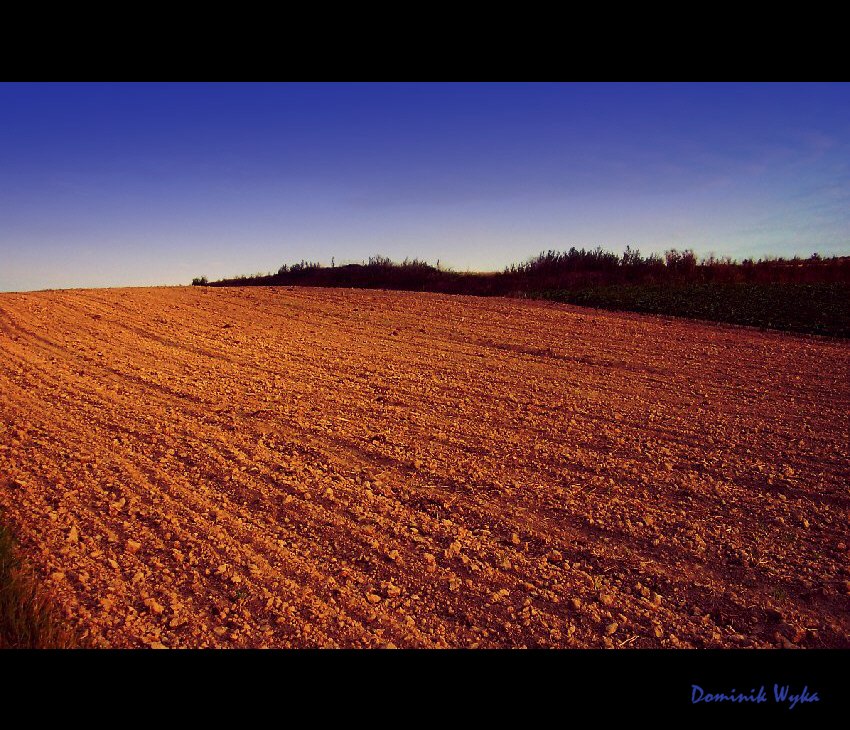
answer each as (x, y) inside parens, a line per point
(27, 618)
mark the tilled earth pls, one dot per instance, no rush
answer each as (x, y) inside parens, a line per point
(277, 467)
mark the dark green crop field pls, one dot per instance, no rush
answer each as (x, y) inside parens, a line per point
(820, 309)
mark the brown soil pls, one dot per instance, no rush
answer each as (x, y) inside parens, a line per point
(305, 467)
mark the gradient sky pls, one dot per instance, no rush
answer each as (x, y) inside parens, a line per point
(137, 184)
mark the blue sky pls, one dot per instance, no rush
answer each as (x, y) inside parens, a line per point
(136, 184)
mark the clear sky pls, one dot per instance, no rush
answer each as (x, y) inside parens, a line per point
(135, 184)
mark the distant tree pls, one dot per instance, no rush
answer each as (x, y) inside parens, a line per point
(630, 257)
(199, 281)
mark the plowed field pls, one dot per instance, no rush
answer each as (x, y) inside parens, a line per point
(190, 467)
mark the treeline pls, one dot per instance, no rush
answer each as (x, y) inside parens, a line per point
(378, 273)
(555, 271)
(810, 295)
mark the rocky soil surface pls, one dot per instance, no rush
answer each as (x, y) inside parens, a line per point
(275, 467)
